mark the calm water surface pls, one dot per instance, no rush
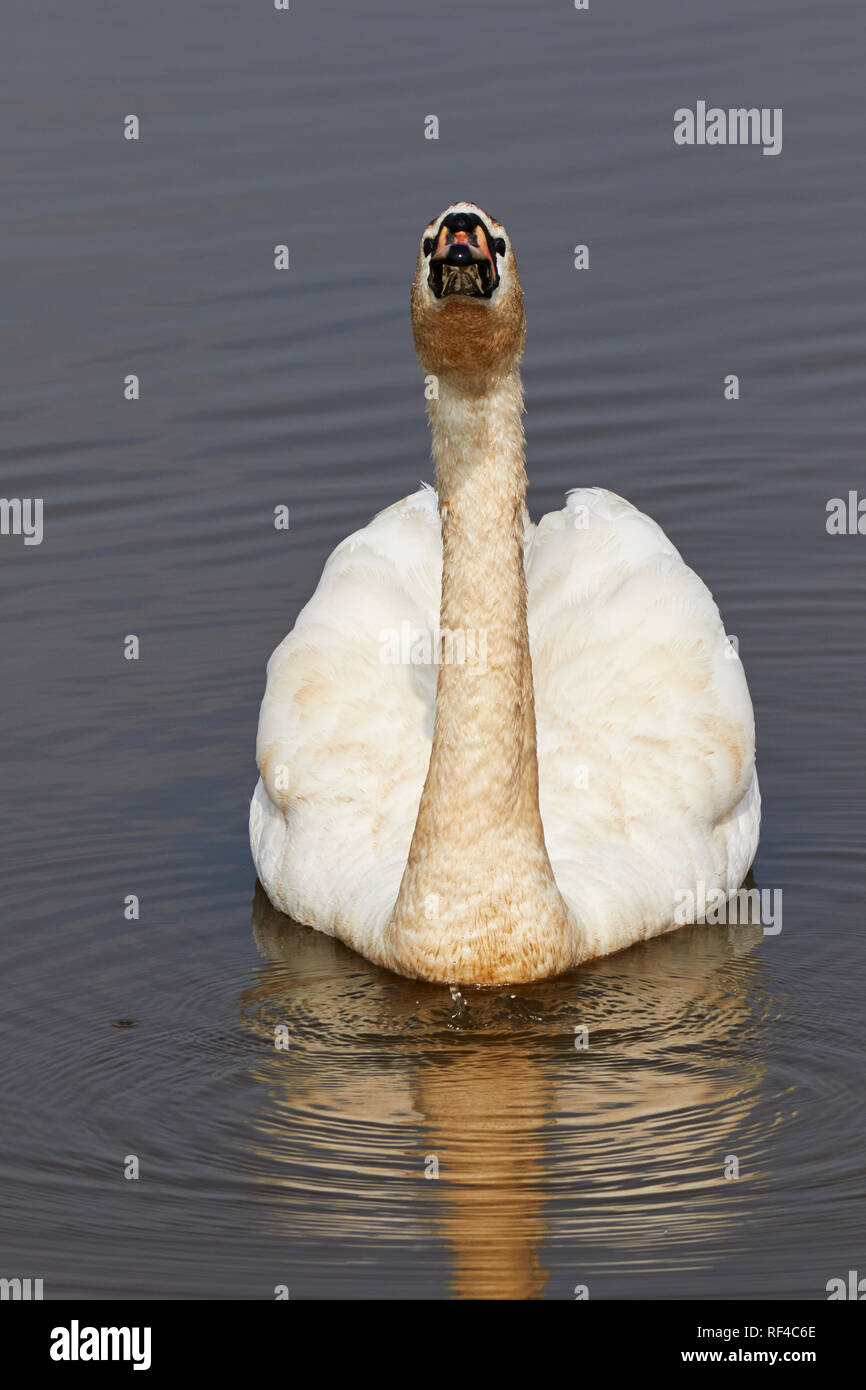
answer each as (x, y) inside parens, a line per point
(557, 1166)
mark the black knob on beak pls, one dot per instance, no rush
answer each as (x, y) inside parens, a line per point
(460, 222)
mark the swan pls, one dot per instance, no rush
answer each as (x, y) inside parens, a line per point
(490, 750)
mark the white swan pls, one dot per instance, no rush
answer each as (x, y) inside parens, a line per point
(408, 806)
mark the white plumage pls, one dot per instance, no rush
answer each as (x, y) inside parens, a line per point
(645, 727)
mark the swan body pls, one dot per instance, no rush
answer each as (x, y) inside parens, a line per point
(550, 792)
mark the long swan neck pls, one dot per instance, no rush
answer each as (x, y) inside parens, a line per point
(479, 432)
(478, 899)
(484, 733)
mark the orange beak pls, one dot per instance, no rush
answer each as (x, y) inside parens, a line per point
(449, 244)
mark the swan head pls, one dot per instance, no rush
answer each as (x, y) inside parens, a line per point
(467, 304)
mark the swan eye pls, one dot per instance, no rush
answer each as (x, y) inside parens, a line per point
(499, 246)
(428, 246)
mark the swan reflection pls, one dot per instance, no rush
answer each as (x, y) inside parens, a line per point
(582, 1123)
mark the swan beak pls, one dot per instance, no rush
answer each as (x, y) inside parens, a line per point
(462, 262)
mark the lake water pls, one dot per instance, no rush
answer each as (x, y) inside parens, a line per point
(557, 1167)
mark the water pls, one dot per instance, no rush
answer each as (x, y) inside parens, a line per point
(557, 1166)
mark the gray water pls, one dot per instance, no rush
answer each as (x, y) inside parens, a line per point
(154, 1038)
